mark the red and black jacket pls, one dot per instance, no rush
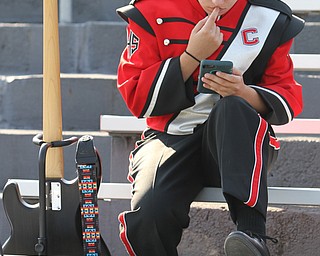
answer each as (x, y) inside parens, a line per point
(257, 38)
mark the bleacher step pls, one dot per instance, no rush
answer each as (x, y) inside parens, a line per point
(84, 98)
(91, 47)
(296, 228)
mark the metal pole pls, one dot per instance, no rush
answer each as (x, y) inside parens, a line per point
(65, 11)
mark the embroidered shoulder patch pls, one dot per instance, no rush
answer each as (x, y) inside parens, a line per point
(133, 43)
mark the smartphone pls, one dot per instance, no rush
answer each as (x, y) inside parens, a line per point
(212, 66)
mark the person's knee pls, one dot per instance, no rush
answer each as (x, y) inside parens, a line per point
(231, 107)
(167, 211)
(232, 102)
(153, 206)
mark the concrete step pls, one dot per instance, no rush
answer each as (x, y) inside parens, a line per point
(92, 47)
(30, 11)
(298, 163)
(311, 92)
(307, 40)
(84, 98)
(99, 10)
(296, 228)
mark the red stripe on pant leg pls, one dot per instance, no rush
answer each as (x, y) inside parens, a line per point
(274, 142)
(123, 234)
(129, 176)
(257, 169)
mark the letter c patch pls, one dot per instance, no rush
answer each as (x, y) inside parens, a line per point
(248, 36)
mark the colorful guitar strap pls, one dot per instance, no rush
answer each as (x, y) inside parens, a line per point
(89, 175)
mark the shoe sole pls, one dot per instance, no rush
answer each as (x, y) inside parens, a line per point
(237, 245)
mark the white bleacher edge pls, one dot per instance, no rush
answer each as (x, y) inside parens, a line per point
(108, 191)
(277, 195)
(306, 62)
(299, 6)
(65, 11)
(124, 125)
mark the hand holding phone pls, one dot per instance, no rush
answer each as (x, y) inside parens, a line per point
(212, 66)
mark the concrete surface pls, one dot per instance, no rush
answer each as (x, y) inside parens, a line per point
(296, 228)
(298, 163)
(310, 90)
(84, 99)
(91, 47)
(306, 41)
(86, 96)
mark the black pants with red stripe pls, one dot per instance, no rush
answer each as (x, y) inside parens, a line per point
(231, 150)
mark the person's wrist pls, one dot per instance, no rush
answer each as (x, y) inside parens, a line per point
(188, 65)
(191, 56)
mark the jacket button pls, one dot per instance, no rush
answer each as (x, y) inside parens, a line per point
(159, 21)
(166, 41)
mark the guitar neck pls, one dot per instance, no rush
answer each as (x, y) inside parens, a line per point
(52, 110)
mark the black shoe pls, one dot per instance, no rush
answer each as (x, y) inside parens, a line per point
(240, 243)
